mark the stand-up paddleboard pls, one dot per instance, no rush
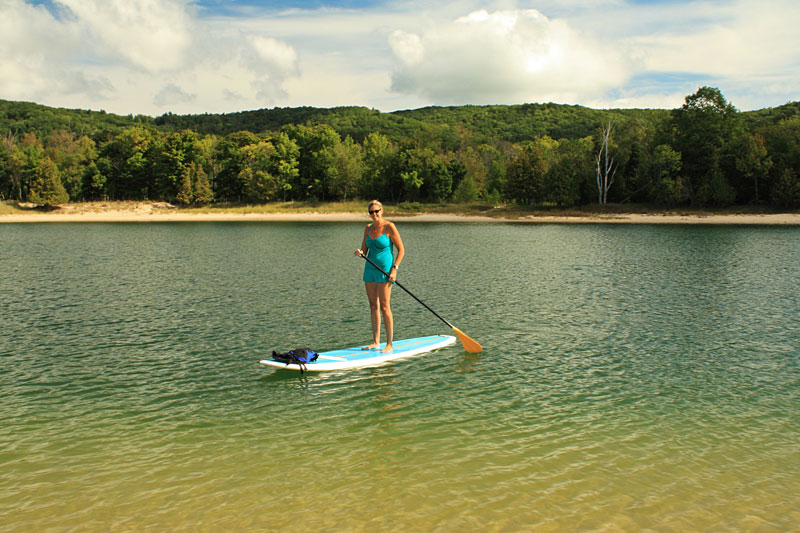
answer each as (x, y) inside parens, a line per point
(358, 357)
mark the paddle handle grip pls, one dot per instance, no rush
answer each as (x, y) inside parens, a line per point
(371, 262)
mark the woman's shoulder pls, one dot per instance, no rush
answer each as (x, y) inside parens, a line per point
(389, 228)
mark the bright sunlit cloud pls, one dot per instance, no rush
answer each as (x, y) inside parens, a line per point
(196, 56)
(504, 57)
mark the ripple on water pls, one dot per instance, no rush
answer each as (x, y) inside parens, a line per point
(632, 378)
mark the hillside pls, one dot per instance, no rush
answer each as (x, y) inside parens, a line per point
(510, 123)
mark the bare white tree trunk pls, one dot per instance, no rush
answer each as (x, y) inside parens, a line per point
(606, 168)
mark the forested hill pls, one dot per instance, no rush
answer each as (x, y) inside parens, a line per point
(357, 122)
(512, 123)
(515, 123)
(705, 152)
(27, 117)
(771, 115)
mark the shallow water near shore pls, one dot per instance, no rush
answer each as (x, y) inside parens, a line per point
(632, 377)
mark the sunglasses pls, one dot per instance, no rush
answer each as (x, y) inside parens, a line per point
(371, 212)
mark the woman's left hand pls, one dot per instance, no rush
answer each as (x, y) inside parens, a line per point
(393, 275)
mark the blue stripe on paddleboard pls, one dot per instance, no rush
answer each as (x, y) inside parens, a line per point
(399, 347)
(357, 357)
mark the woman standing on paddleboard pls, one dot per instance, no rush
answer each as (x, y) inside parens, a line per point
(379, 237)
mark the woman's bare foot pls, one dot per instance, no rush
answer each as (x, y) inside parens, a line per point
(387, 349)
(372, 346)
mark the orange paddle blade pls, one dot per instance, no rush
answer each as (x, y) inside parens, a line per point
(469, 345)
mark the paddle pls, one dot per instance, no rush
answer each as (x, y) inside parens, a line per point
(469, 344)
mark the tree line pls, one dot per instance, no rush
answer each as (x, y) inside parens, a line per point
(705, 153)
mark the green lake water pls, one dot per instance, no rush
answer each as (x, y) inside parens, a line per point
(633, 377)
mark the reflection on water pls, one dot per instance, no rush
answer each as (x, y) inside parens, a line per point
(633, 377)
(468, 362)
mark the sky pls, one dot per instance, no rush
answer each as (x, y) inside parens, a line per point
(150, 57)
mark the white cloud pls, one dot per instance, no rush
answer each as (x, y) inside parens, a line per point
(28, 39)
(150, 34)
(171, 94)
(732, 39)
(276, 56)
(330, 83)
(504, 57)
(271, 61)
(640, 100)
(153, 56)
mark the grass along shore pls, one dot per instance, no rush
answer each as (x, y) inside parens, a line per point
(356, 210)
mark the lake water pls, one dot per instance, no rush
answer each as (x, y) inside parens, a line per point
(633, 377)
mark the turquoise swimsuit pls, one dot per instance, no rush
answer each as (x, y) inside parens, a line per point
(380, 252)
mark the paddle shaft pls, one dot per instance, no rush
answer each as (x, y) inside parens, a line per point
(371, 262)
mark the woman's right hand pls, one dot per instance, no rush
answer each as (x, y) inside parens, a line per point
(359, 253)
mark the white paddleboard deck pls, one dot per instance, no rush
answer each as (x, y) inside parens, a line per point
(358, 357)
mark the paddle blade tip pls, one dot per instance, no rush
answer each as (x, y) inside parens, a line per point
(469, 344)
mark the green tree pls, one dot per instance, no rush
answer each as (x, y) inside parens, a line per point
(229, 162)
(428, 175)
(474, 170)
(782, 141)
(23, 164)
(627, 145)
(637, 180)
(127, 163)
(72, 154)
(260, 184)
(269, 168)
(457, 171)
(423, 175)
(11, 163)
(346, 172)
(286, 161)
(439, 180)
(720, 189)
(412, 182)
(525, 179)
(185, 194)
(665, 179)
(496, 158)
(467, 191)
(93, 181)
(46, 187)
(704, 129)
(378, 157)
(753, 162)
(786, 192)
(315, 161)
(407, 174)
(202, 194)
(177, 153)
(571, 171)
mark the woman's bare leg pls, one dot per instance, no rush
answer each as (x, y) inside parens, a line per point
(385, 297)
(374, 314)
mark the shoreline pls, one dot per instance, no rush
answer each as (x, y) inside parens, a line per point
(113, 216)
(155, 212)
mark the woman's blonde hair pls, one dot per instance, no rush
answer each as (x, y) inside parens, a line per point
(375, 202)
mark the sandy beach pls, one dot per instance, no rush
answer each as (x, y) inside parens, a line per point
(153, 212)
